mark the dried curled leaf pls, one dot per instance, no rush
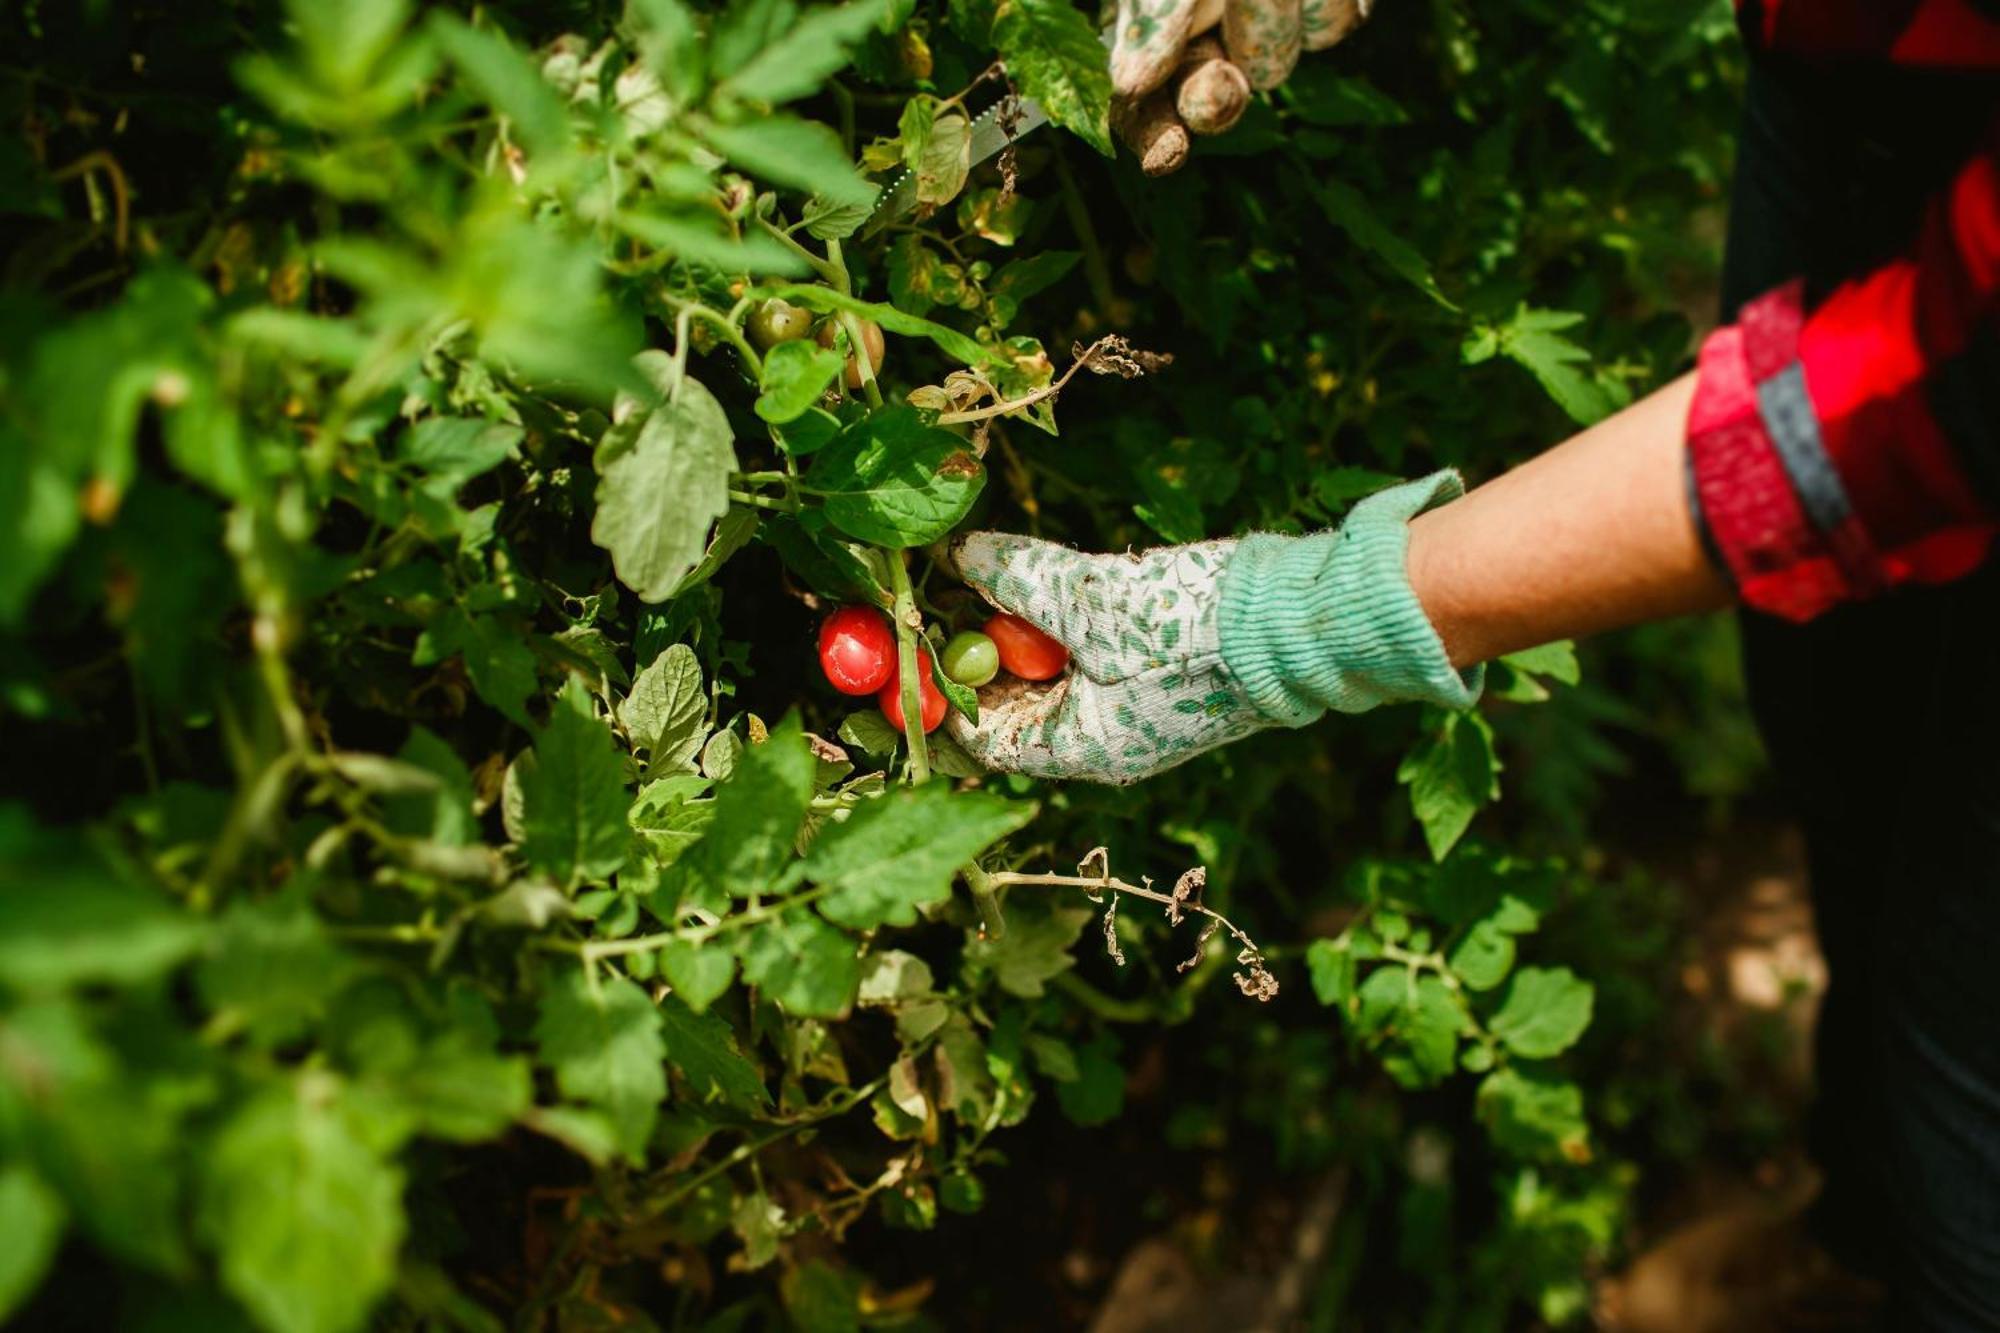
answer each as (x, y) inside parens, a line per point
(1115, 355)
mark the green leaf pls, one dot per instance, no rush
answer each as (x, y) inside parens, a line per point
(1419, 1022)
(461, 1090)
(574, 800)
(1475, 886)
(811, 48)
(1330, 965)
(913, 129)
(31, 1218)
(732, 534)
(459, 448)
(342, 43)
(507, 79)
(1348, 209)
(672, 44)
(67, 918)
(698, 239)
(668, 823)
(821, 1298)
(1555, 660)
(1483, 957)
(605, 1047)
(891, 976)
(810, 432)
(743, 28)
(665, 710)
(108, 1142)
(699, 973)
(1451, 773)
(892, 480)
(501, 666)
(805, 965)
(658, 494)
(760, 1225)
(1545, 1010)
(831, 221)
(1033, 274)
(1339, 486)
(795, 375)
(270, 971)
(1534, 1114)
(1533, 338)
(914, 274)
(703, 1047)
(1040, 935)
(444, 814)
(788, 151)
(946, 160)
(964, 698)
(1053, 53)
(587, 1133)
(757, 813)
(869, 731)
(305, 1216)
(336, 342)
(899, 852)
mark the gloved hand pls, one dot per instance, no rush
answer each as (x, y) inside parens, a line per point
(1168, 80)
(1180, 649)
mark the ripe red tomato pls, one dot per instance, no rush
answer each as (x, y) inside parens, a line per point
(890, 699)
(1024, 650)
(857, 649)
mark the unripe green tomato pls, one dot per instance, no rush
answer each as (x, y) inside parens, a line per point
(777, 321)
(970, 658)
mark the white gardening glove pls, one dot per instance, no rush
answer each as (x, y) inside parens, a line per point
(1168, 80)
(1180, 649)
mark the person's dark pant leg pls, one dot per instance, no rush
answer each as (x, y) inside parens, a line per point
(1893, 767)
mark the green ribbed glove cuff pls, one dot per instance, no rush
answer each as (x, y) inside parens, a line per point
(1329, 621)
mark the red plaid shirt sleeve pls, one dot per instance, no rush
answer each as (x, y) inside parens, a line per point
(1838, 451)
(1960, 34)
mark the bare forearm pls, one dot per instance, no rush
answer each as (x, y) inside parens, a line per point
(1592, 535)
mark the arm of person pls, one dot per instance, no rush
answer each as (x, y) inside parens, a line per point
(1595, 534)
(1830, 447)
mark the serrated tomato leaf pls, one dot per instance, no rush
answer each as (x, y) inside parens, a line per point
(894, 480)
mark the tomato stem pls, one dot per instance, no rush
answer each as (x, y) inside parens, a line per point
(904, 612)
(992, 924)
(788, 505)
(724, 325)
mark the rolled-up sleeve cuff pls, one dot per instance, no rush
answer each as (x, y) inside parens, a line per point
(1772, 508)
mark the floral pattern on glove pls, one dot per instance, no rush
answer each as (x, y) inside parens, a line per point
(1147, 687)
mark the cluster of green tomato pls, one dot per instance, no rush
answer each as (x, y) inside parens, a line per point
(776, 321)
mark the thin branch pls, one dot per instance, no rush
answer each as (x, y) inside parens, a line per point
(910, 661)
(827, 272)
(1256, 981)
(99, 159)
(1109, 355)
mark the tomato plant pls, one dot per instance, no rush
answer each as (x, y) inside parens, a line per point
(433, 889)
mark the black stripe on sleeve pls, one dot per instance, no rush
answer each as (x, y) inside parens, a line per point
(1793, 426)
